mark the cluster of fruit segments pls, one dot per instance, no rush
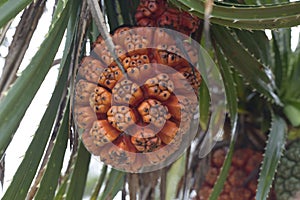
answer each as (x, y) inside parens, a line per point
(157, 13)
(241, 182)
(139, 118)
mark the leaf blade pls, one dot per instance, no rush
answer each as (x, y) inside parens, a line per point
(78, 178)
(245, 16)
(258, 75)
(114, 184)
(22, 181)
(272, 156)
(231, 96)
(10, 9)
(52, 172)
(175, 173)
(99, 184)
(13, 106)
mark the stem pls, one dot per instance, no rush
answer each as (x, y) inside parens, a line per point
(100, 22)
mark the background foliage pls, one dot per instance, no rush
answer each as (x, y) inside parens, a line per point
(261, 79)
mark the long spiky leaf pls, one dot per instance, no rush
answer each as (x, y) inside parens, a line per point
(247, 17)
(99, 184)
(79, 175)
(22, 37)
(13, 106)
(231, 96)
(22, 181)
(10, 9)
(112, 13)
(258, 75)
(113, 185)
(272, 156)
(52, 172)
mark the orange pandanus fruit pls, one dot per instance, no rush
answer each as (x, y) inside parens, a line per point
(138, 119)
(157, 13)
(241, 182)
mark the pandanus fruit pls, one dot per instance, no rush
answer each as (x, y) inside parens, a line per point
(139, 118)
(157, 13)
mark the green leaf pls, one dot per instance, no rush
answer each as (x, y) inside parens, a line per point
(112, 13)
(62, 188)
(245, 16)
(13, 106)
(215, 85)
(56, 14)
(79, 175)
(231, 94)
(128, 9)
(258, 75)
(218, 187)
(293, 114)
(272, 156)
(231, 97)
(9, 9)
(52, 173)
(282, 50)
(174, 175)
(23, 177)
(2, 2)
(114, 184)
(287, 71)
(278, 69)
(204, 103)
(257, 44)
(99, 184)
(292, 90)
(265, 2)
